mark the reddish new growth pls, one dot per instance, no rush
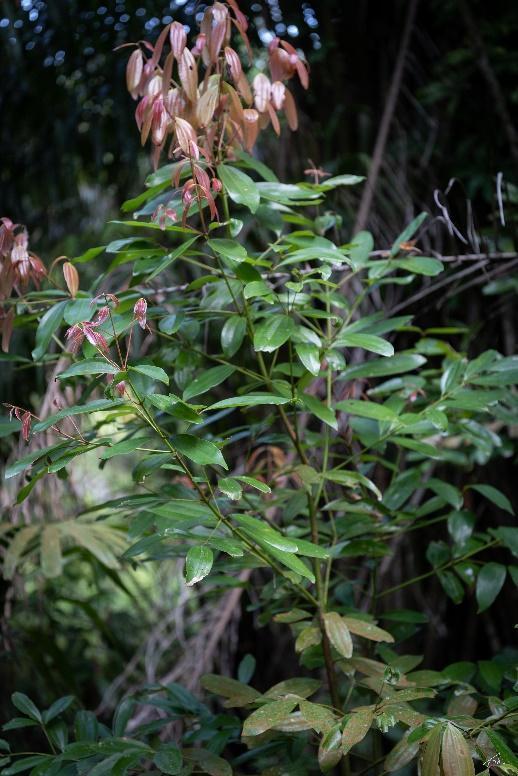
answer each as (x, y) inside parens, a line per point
(18, 266)
(199, 102)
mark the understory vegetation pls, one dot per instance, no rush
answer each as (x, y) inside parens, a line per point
(250, 490)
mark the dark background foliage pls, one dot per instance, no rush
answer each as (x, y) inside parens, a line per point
(71, 154)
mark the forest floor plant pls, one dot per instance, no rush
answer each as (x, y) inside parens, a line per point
(233, 350)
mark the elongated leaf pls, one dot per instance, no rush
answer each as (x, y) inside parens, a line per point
(47, 326)
(432, 752)
(449, 493)
(456, 756)
(310, 357)
(321, 411)
(292, 562)
(367, 630)
(505, 753)
(198, 563)
(495, 496)
(201, 451)
(24, 704)
(26, 763)
(91, 366)
(407, 233)
(402, 754)
(51, 558)
(368, 342)
(232, 335)
(267, 716)
(273, 332)
(401, 362)
(209, 379)
(338, 633)
(330, 749)
(17, 547)
(249, 400)
(239, 186)
(170, 257)
(356, 728)
(490, 581)
(229, 688)
(254, 483)
(99, 405)
(155, 372)
(367, 409)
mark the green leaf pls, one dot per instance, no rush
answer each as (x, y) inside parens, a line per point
(239, 186)
(154, 372)
(91, 366)
(124, 447)
(419, 265)
(402, 754)
(262, 532)
(495, 496)
(209, 379)
(99, 405)
(456, 755)
(311, 550)
(198, 563)
(273, 332)
(355, 729)
(408, 233)
(232, 335)
(58, 707)
(254, 483)
(170, 257)
(24, 704)
(490, 580)
(320, 410)
(368, 342)
(449, 493)
(25, 764)
(249, 400)
(508, 536)
(338, 633)
(267, 716)
(208, 762)
(309, 356)
(168, 759)
(201, 451)
(395, 365)
(48, 324)
(292, 562)
(231, 488)
(229, 248)
(367, 409)
(264, 171)
(505, 754)
(78, 310)
(362, 245)
(452, 586)
(320, 718)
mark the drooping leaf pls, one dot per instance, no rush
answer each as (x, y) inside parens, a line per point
(232, 335)
(47, 326)
(310, 357)
(90, 366)
(273, 332)
(432, 753)
(456, 756)
(355, 729)
(490, 580)
(198, 563)
(367, 409)
(320, 410)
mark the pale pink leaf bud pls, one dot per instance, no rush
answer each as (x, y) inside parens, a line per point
(140, 311)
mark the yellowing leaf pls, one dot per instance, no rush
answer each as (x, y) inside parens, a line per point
(338, 633)
(268, 716)
(356, 728)
(456, 756)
